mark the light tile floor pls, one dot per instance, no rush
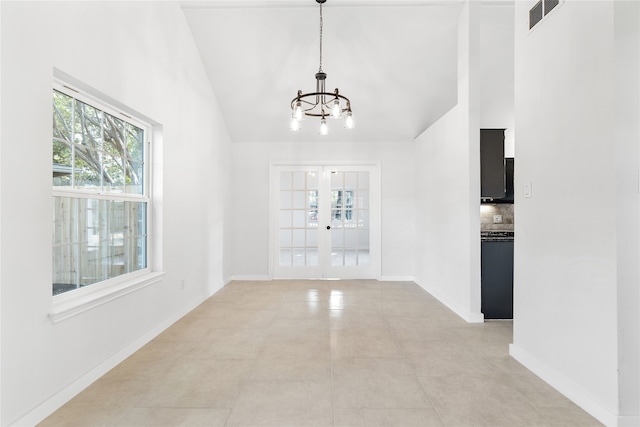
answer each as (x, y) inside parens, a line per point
(323, 353)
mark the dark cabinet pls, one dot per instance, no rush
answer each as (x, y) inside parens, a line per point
(497, 279)
(508, 173)
(492, 165)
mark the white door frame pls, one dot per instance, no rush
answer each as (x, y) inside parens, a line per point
(374, 210)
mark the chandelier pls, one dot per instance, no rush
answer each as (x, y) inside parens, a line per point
(320, 103)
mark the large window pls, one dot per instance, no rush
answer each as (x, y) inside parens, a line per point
(101, 199)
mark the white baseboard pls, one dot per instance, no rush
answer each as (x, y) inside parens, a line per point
(397, 279)
(248, 277)
(574, 393)
(460, 311)
(56, 401)
(258, 278)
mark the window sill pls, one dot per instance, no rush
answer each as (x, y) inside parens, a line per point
(75, 302)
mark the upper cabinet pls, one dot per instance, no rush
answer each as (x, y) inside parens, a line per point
(492, 164)
(508, 173)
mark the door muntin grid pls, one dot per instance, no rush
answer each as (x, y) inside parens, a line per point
(350, 214)
(325, 221)
(298, 218)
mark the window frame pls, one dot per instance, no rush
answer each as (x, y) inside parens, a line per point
(76, 301)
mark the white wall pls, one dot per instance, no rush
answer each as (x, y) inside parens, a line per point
(250, 178)
(571, 236)
(448, 188)
(496, 71)
(141, 54)
(1, 286)
(496, 68)
(447, 159)
(627, 113)
(627, 137)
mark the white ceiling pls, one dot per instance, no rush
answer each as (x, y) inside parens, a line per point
(395, 60)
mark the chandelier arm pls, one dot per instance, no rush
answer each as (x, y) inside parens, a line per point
(304, 101)
(310, 111)
(333, 96)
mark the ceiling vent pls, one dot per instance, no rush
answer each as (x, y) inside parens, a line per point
(540, 10)
(549, 5)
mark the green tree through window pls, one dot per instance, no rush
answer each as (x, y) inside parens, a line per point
(100, 197)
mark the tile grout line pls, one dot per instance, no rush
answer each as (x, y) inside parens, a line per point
(404, 355)
(245, 380)
(413, 339)
(333, 405)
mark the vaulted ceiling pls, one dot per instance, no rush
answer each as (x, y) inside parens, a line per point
(395, 60)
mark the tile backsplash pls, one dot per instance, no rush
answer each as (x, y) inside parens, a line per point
(489, 210)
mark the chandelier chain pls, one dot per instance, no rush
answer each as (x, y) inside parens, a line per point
(320, 68)
(320, 104)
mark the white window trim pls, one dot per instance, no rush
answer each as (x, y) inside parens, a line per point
(72, 303)
(78, 301)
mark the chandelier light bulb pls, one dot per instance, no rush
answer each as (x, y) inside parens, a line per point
(294, 124)
(324, 130)
(349, 123)
(298, 113)
(336, 110)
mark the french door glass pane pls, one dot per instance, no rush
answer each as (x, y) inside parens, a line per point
(298, 257)
(299, 199)
(285, 238)
(363, 257)
(312, 256)
(285, 180)
(298, 218)
(299, 180)
(285, 257)
(285, 219)
(312, 239)
(350, 218)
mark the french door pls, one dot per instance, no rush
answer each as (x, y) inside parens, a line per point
(325, 221)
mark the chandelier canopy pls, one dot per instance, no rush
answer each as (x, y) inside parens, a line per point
(320, 103)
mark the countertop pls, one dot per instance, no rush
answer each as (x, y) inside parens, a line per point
(496, 236)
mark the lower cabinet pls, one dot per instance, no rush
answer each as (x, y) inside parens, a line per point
(497, 279)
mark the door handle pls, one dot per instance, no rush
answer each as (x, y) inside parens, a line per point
(328, 227)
